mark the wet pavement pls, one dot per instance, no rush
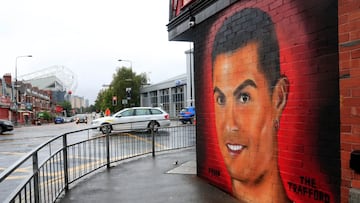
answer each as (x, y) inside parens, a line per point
(168, 177)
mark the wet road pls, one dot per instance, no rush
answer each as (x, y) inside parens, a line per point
(17, 143)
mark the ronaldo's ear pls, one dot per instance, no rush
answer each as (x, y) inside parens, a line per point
(280, 94)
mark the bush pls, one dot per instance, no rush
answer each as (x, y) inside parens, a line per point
(45, 115)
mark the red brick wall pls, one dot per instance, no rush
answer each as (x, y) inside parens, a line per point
(309, 134)
(349, 70)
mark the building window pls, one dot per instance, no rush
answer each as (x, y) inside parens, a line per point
(178, 98)
(165, 99)
(153, 99)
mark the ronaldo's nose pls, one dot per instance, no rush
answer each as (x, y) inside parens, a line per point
(231, 124)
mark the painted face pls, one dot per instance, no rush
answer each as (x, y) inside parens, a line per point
(244, 114)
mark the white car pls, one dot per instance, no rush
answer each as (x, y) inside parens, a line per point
(131, 119)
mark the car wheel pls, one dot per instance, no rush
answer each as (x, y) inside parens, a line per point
(183, 122)
(105, 129)
(1, 130)
(155, 125)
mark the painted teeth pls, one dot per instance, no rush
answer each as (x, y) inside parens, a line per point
(235, 147)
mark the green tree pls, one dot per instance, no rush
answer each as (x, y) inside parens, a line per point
(103, 101)
(66, 105)
(90, 108)
(123, 78)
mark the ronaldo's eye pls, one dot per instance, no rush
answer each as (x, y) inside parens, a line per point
(244, 98)
(220, 100)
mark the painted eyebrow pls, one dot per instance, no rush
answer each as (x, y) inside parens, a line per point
(216, 89)
(239, 88)
(243, 85)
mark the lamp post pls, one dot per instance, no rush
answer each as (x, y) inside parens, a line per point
(16, 90)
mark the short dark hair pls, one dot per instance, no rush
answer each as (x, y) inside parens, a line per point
(251, 25)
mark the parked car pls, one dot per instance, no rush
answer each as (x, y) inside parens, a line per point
(6, 125)
(81, 118)
(187, 114)
(59, 120)
(132, 119)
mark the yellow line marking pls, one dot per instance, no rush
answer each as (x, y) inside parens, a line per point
(145, 140)
(13, 153)
(20, 170)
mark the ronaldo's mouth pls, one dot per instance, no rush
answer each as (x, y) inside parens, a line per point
(235, 148)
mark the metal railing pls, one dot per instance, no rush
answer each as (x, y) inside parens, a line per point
(67, 158)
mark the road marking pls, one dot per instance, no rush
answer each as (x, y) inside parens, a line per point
(13, 153)
(27, 170)
(145, 140)
(20, 170)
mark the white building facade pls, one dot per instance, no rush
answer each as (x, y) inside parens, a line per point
(173, 94)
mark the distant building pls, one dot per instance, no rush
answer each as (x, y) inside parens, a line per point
(172, 94)
(50, 83)
(58, 79)
(20, 103)
(78, 102)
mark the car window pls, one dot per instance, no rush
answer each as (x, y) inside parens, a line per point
(129, 112)
(155, 111)
(142, 112)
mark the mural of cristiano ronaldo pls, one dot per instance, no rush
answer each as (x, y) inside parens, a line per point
(249, 96)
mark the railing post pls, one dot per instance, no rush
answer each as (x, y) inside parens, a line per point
(108, 148)
(153, 137)
(65, 154)
(35, 166)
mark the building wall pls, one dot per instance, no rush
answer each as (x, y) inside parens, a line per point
(172, 95)
(77, 101)
(29, 101)
(349, 69)
(5, 98)
(305, 146)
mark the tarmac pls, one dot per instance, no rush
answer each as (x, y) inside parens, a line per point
(167, 177)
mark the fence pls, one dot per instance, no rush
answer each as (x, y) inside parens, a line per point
(66, 158)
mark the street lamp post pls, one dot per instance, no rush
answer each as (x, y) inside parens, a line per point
(16, 90)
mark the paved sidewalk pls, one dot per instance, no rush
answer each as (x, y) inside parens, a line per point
(150, 180)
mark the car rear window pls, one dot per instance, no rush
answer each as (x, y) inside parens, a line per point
(142, 112)
(155, 111)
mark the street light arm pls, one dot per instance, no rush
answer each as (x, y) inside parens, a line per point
(23, 56)
(127, 61)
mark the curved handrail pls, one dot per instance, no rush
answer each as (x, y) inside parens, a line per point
(13, 167)
(71, 162)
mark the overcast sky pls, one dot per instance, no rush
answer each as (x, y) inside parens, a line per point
(88, 37)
